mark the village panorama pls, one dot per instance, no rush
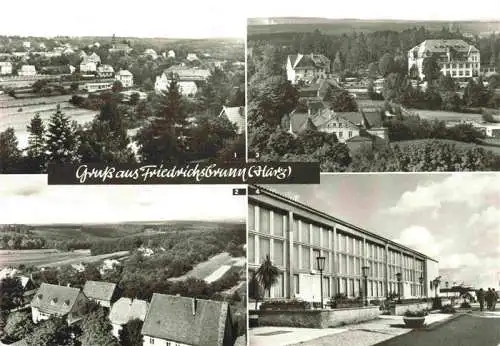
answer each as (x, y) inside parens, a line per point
(375, 95)
(120, 100)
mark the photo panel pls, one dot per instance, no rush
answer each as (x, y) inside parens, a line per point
(364, 259)
(118, 92)
(122, 265)
(407, 92)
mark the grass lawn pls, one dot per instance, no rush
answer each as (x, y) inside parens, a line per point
(447, 116)
(493, 148)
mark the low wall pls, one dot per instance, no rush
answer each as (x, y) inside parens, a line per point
(316, 318)
(400, 309)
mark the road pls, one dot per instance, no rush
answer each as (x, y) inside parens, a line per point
(475, 329)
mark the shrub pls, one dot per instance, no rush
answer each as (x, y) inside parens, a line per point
(419, 313)
(292, 304)
(376, 302)
(448, 309)
(465, 305)
(437, 303)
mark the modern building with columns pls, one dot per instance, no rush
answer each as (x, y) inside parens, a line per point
(294, 235)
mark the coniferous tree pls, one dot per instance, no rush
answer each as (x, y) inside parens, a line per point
(9, 151)
(36, 144)
(96, 329)
(62, 141)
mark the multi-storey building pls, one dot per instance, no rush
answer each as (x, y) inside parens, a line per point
(294, 235)
(5, 67)
(455, 57)
(307, 67)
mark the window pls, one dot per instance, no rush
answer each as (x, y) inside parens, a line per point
(264, 221)
(296, 284)
(306, 258)
(325, 242)
(295, 257)
(151, 341)
(350, 134)
(295, 230)
(278, 252)
(278, 224)
(251, 248)
(264, 247)
(454, 73)
(316, 254)
(304, 229)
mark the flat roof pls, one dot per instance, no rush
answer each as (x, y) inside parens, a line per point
(300, 205)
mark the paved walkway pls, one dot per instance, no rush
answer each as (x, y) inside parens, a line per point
(362, 334)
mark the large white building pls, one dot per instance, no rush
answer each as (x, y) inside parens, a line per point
(27, 71)
(5, 67)
(307, 67)
(455, 57)
(125, 77)
(294, 235)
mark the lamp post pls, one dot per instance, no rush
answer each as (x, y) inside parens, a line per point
(421, 286)
(321, 266)
(365, 270)
(398, 277)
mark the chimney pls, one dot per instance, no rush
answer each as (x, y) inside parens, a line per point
(193, 305)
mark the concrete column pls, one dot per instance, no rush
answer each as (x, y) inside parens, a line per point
(386, 283)
(289, 258)
(334, 261)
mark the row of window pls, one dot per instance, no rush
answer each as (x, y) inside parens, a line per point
(462, 65)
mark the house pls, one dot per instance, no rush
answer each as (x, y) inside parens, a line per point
(88, 66)
(107, 265)
(187, 88)
(171, 54)
(83, 55)
(5, 67)
(27, 71)
(105, 71)
(94, 58)
(29, 288)
(27, 44)
(125, 310)
(97, 86)
(175, 320)
(300, 67)
(151, 53)
(317, 91)
(192, 57)
(125, 77)
(59, 301)
(120, 48)
(455, 57)
(68, 51)
(101, 292)
(236, 115)
(42, 46)
(188, 73)
(488, 71)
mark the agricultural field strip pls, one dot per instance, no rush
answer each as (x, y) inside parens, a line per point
(205, 269)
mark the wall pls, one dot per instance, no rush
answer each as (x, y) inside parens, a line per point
(431, 273)
(316, 318)
(147, 341)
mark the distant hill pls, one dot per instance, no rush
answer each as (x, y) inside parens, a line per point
(259, 26)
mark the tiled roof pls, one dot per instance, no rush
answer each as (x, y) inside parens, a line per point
(171, 318)
(236, 115)
(54, 299)
(99, 290)
(309, 61)
(440, 46)
(184, 73)
(126, 309)
(105, 68)
(124, 73)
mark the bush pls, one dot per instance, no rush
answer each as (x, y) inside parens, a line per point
(419, 313)
(340, 300)
(437, 303)
(465, 305)
(292, 304)
(448, 309)
(375, 302)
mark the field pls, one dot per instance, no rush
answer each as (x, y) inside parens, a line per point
(214, 268)
(51, 257)
(17, 113)
(345, 26)
(91, 232)
(447, 116)
(491, 147)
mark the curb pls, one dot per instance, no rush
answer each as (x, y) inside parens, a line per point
(437, 324)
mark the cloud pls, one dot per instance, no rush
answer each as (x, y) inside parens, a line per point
(473, 190)
(489, 217)
(422, 240)
(470, 269)
(31, 201)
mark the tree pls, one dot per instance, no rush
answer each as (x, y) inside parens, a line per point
(117, 86)
(372, 70)
(9, 152)
(395, 85)
(431, 69)
(36, 144)
(386, 64)
(11, 293)
(134, 98)
(344, 102)
(254, 288)
(267, 274)
(447, 83)
(96, 329)
(210, 136)
(130, 334)
(61, 145)
(19, 325)
(54, 331)
(338, 65)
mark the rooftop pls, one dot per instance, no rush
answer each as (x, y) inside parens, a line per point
(99, 290)
(54, 299)
(126, 309)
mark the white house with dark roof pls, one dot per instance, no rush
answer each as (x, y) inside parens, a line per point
(59, 301)
(307, 67)
(87, 65)
(192, 57)
(125, 310)
(175, 320)
(94, 58)
(5, 67)
(236, 115)
(101, 292)
(105, 71)
(125, 77)
(454, 57)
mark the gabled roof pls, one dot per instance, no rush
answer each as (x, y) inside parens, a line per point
(99, 290)
(359, 139)
(124, 73)
(54, 299)
(441, 46)
(24, 280)
(171, 318)
(105, 68)
(309, 61)
(236, 115)
(126, 309)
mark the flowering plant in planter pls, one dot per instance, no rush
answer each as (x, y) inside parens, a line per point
(414, 319)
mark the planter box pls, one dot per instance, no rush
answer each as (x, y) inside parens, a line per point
(316, 318)
(400, 309)
(414, 322)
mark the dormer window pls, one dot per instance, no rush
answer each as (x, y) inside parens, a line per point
(40, 296)
(53, 301)
(66, 302)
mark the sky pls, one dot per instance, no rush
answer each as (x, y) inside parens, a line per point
(206, 19)
(27, 199)
(453, 218)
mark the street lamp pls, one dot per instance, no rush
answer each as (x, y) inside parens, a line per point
(365, 270)
(398, 277)
(321, 266)
(421, 286)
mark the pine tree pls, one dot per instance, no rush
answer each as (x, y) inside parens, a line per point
(96, 330)
(9, 151)
(61, 139)
(36, 144)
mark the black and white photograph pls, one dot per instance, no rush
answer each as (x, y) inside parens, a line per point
(367, 87)
(121, 265)
(375, 259)
(115, 83)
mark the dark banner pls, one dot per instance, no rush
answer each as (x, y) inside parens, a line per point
(197, 173)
